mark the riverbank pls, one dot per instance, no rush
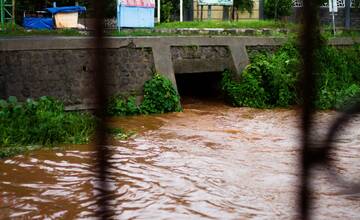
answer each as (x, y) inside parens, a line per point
(44, 122)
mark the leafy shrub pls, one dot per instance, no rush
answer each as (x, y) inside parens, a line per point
(160, 96)
(278, 8)
(338, 76)
(247, 93)
(41, 122)
(271, 79)
(268, 81)
(121, 106)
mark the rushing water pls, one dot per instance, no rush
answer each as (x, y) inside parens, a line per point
(209, 162)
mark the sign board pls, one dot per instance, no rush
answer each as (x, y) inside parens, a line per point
(216, 2)
(331, 6)
(138, 3)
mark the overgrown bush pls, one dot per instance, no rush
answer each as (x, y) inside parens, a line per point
(120, 106)
(271, 79)
(338, 76)
(160, 96)
(276, 9)
(42, 122)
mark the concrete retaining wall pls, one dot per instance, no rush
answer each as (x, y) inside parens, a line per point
(62, 66)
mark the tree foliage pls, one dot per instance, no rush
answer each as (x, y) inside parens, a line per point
(244, 5)
(32, 6)
(278, 8)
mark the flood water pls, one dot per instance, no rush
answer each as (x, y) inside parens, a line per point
(209, 162)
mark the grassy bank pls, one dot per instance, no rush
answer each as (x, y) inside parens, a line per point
(272, 80)
(256, 24)
(44, 122)
(17, 30)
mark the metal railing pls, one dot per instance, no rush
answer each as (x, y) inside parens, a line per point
(311, 155)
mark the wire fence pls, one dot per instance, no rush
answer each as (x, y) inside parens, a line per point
(311, 155)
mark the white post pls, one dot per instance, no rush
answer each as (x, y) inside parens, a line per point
(333, 8)
(181, 10)
(158, 11)
(117, 14)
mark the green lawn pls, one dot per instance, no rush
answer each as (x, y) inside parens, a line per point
(19, 31)
(162, 29)
(256, 24)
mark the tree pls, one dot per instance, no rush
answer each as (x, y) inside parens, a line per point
(242, 5)
(278, 8)
(31, 5)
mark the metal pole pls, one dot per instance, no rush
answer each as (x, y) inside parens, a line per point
(209, 12)
(347, 14)
(118, 15)
(181, 11)
(158, 11)
(333, 16)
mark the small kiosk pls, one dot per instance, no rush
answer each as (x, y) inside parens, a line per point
(135, 13)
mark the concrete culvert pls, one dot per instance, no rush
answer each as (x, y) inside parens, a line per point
(199, 85)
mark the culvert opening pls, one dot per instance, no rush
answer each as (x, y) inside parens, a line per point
(205, 86)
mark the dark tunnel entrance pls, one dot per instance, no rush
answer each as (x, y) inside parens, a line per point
(204, 86)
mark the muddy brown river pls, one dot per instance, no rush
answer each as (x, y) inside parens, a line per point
(209, 162)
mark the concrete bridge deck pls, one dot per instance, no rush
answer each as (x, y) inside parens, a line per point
(37, 66)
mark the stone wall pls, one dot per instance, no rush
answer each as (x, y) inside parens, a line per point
(68, 74)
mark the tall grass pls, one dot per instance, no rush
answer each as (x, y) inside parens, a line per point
(44, 122)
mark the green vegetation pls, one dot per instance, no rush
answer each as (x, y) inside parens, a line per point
(256, 24)
(160, 96)
(24, 126)
(120, 105)
(276, 9)
(45, 123)
(16, 30)
(119, 134)
(271, 79)
(244, 5)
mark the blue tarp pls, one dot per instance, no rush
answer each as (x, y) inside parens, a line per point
(67, 9)
(38, 23)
